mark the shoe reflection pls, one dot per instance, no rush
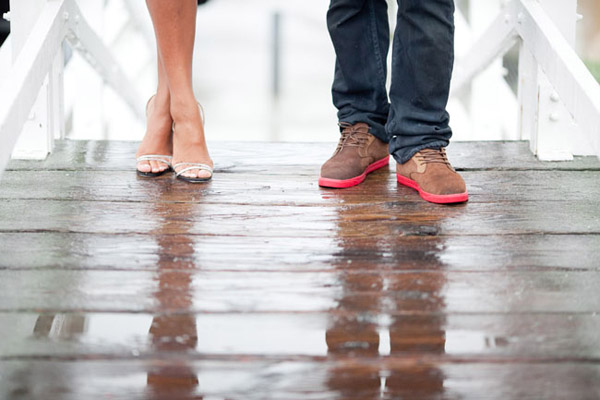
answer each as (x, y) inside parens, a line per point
(173, 332)
(174, 329)
(389, 320)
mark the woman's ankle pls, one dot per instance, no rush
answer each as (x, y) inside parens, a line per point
(184, 110)
(158, 109)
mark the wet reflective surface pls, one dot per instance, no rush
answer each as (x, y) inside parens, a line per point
(260, 285)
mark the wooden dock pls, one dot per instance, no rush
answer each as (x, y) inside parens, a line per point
(261, 285)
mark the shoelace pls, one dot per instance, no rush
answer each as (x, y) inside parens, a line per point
(352, 136)
(432, 156)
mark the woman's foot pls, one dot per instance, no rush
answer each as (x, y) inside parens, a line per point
(189, 144)
(158, 139)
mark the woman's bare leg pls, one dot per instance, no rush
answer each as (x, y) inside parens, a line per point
(158, 138)
(175, 27)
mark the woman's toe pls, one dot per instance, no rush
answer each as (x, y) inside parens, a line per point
(155, 166)
(203, 174)
(144, 166)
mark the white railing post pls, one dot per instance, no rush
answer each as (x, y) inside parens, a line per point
(528, 96)
(57, 96)
(544, 120)
(565, 16)
(37, 137)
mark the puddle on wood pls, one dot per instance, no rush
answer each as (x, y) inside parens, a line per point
(185, 354)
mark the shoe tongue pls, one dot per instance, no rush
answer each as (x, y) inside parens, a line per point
(361, 126)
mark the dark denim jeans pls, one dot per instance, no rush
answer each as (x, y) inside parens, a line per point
(415, 115)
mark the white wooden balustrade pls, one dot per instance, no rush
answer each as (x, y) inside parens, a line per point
(559, 99)
(32, 90)
(557, 108)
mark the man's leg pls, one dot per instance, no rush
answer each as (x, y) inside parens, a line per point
(360, 34)
(423, 57)
(422, 61)
(359, 30)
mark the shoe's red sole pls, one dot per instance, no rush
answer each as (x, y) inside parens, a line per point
(346, 183)
(433, 198)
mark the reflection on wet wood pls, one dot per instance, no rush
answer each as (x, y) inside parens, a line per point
(94, 251)
(384, 291)
(350, 220)
(261, 285)
(484, 187)
(471, 337)
(352, 378)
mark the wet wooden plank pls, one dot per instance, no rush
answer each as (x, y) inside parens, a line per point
(300, 189)
(261, 285)
(385, 292)
(345, 378)
(277, 158)
(451, 337)
(150, 252)
(346, 221)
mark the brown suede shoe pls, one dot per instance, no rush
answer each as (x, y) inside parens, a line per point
(358, 153)
(430, 172)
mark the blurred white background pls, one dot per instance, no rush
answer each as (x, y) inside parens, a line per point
(234, 73)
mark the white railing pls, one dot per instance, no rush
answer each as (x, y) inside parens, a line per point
(558, 104)
(557, 108)
(32, 89)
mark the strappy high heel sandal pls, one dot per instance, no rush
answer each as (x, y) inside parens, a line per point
(164, 159)
(189, 166)
(192, 166)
